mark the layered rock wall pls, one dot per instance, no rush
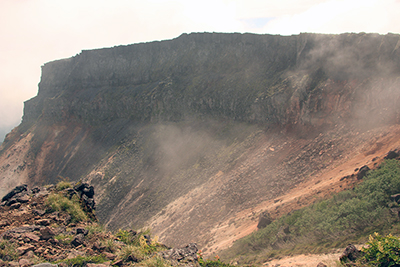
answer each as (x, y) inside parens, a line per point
(256, 78)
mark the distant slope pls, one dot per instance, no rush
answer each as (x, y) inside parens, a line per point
(201, 133)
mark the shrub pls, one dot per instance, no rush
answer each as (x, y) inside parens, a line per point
(125, 236)
(63, 185)
(65, 239)
(382, 251)
(7, 251)
(57, 202)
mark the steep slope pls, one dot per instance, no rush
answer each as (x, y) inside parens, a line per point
(200, 134)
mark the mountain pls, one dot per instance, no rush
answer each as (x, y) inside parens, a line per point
(199, 135)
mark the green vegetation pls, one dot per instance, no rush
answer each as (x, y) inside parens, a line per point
(63, 238)
(63, 184)
(381, 251)
(58, 202)
(125, 236)
(348, 217)
(7, 251)
(211, 263)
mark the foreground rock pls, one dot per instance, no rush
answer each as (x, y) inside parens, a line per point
(35, 234)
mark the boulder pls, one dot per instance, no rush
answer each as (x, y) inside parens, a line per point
(392, 154)
(15, 191)
(350, 253)
(78, 240)
(396, 198)
(362, 172)
(264, 220)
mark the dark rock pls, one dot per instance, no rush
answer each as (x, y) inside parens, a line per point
(4, 223)
(78, 240)
(15, 191)
(81, 186)
(89, 191)
(43, 222)
(46, 233)
(392, 154)
(89, 202)
(35, 190)
(11, 202)
(132, 258)
(362, 172)
(350, 253)
(23, 199)
(264, 220)
(15, 206)
(82, 231)
(396, 198)
(321, 264)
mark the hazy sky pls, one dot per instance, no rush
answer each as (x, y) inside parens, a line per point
(34, 32)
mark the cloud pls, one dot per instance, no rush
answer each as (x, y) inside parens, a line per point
(340, 16)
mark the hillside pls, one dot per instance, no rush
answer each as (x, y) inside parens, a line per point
(197, 136)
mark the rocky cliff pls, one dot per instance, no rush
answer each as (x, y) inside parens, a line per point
(200, 134)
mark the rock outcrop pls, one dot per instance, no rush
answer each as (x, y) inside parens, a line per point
(32, 238)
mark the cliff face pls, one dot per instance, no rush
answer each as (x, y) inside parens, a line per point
(214, 120)
(255, 78)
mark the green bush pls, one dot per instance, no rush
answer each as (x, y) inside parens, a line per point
(63, 185)
(382, 251)
(65, 239)
(57, 202)
(125, 236)
(211, 263)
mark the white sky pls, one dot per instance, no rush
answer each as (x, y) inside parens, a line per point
(34, 32)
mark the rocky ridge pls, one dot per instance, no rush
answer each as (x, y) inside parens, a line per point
(32, 233)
